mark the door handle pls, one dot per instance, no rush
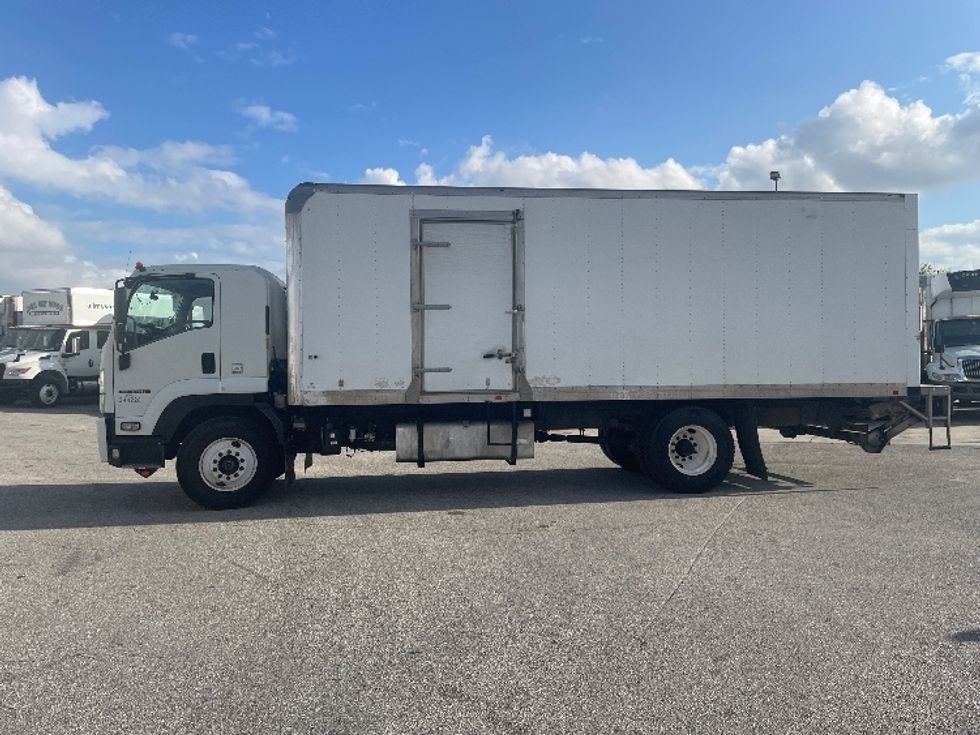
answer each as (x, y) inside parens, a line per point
(208, 366)
(499, 354)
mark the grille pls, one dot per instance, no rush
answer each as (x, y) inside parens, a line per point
(971, 369)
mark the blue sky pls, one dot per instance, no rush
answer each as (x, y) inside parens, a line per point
(173, 131)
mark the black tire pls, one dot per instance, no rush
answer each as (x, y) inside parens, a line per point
(244, 460)
(617, 446)
(46, 392)
(690, 450)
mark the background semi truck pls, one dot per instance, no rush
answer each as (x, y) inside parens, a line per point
(951, 332)
(57, 349)
(455, 324)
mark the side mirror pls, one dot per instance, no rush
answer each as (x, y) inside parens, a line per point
(938, 345)
(120, 305)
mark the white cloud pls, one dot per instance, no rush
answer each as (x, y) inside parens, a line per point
(171, 177)
(265, 117)
(951, 247)
(968, 65)
(170, 156)
(483, 166)
(36, 253)
(866, 140)
(273, 58)
(258, 241)
(183, 41)
(388, 176)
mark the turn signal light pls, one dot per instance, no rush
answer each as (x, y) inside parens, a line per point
(129, 426)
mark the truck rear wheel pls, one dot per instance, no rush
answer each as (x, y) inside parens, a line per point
(690, 450)
(617, 446)
(227, 463)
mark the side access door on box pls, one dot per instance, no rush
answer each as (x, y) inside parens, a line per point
(468, 304)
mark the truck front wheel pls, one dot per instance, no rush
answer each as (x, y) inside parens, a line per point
(45, 392)
(227, 462)
(690, 450)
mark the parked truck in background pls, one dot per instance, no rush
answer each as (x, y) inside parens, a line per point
(56, 350)
(951, 332)
(453, 324)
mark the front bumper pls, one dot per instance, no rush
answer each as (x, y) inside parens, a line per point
(15, 387)
(967, 391)
(127, 451)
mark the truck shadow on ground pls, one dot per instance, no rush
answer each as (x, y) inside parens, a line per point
(38, 507)
(76, 405)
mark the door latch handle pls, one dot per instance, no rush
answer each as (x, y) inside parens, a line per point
(499, 354)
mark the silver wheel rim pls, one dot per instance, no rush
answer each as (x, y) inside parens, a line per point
(228, 464)
(48, 394)
(692, 450)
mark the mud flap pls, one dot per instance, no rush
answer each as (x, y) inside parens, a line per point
(747, 433)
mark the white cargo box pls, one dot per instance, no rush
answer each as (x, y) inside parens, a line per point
(436, 294)
(953, 294)
(77, 306)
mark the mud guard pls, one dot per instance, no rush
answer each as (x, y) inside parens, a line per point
(747, 433)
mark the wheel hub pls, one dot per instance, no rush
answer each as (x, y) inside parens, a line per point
(48, 394)
(228, 464)
(692, 450)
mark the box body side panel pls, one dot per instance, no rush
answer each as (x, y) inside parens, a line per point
(626, 297)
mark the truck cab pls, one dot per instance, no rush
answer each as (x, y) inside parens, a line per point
(189, 344)
(951, 332)
(956, 356)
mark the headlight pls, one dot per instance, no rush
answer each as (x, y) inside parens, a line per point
(17, 371)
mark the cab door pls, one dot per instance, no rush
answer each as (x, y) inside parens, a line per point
(81, 356)
(171, 346)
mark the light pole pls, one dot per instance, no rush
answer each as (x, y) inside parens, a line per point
(774, 175)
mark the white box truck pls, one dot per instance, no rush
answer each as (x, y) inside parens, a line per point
(451, 324)
(57, 349)
(951, 332)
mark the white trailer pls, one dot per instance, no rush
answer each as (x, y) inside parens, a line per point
(57, 348)
(450, 324)
(951, 332)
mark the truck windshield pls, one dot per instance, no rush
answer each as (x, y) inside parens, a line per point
(958, 332)
(9, 339)
(39, 339)
(168, 306)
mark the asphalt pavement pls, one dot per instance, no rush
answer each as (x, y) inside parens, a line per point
(561, 596)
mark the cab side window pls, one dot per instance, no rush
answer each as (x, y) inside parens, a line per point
(79, 341)
(166, 307)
